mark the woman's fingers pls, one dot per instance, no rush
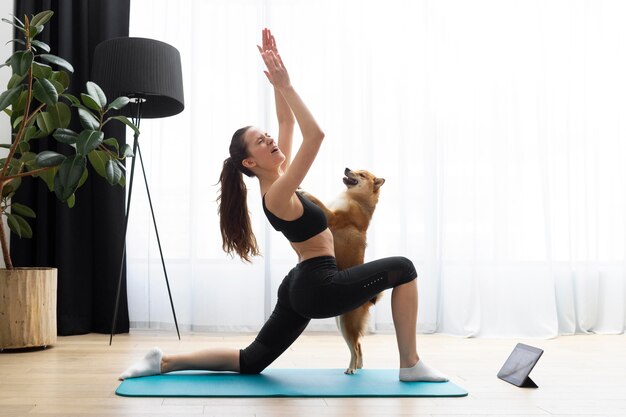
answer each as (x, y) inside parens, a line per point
(276, 72)
(280, 60)
(273, 43)
(269, 61)
(275, 60)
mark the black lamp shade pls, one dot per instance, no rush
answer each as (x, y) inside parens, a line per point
(140, 68)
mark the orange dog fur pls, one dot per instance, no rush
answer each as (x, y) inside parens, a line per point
(348, 219)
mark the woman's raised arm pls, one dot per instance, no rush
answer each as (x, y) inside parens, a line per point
(312, 134)
(286, 121)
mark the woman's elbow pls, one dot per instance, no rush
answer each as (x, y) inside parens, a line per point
(314, 137)
(320, 136)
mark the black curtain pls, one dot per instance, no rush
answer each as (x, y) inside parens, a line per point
(84, 242)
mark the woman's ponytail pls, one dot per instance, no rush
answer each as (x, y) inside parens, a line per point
(235, 225)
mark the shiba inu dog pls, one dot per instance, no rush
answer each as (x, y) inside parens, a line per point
(349, 217)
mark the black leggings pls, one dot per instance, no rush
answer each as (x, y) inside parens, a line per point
(315, 289)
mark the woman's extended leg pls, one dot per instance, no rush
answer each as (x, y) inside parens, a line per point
(155, 362)
(216, 359)
(278, 333)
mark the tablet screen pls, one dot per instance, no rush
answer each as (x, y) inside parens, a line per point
(519, 364)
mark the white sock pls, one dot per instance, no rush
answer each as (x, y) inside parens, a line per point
(149, 365)
(422, 372)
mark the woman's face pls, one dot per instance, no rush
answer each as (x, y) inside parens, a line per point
(263, 151)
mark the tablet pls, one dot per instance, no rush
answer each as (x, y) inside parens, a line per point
(519, 364)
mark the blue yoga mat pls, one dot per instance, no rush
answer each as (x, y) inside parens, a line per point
(285, 383)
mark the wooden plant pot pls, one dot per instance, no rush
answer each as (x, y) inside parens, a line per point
(28, 307)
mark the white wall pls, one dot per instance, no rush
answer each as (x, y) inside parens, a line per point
(6, 33)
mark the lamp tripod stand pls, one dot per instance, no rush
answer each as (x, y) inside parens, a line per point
(137, 151)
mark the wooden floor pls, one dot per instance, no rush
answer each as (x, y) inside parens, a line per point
(577, 376)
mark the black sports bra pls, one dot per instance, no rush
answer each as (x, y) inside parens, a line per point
(312, 221)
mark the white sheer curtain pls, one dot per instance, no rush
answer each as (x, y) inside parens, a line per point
(499, 126)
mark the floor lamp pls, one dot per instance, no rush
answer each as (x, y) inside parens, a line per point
(149, 73)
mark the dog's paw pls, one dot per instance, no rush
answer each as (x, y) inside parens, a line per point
(350, 371)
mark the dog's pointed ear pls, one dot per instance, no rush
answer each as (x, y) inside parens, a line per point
(378, 182)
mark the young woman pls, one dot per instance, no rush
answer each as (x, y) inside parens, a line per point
(314, 288)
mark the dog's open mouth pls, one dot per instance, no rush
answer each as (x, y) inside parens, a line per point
(350, 182)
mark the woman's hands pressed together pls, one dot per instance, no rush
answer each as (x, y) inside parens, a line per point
(276, 72)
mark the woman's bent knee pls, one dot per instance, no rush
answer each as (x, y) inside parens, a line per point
(404, 273)
(248, 366)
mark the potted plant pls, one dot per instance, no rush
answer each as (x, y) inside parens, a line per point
(39, 107)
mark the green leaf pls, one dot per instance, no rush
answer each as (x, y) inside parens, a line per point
(21, 61)
(83, 178)
(45, 123)
(20, 26)
(17, 20)
(41, 18)
(48, 177)
(17, 121)
(41, 70)
(127, 122)
(88, 120)
(57, 117)
(127, 150)
(29, 159)
(71, 201)
(113, 172)
(90, 102)
(118, 103)
(18, 107)
(12, 186)
(27, 232)
(15, 80)
(22, 210)
(5, 146)
(68, 177)
(23, 147)
(31, 132)
(53, 59)
(58, 86)
(61, 114)
(8, 97)
(121, 165)
(14, 167)
(14, 224)
(21, 42)
(45, 92)
(62, 77)
(49, 159)
(98, 160)
(112, 142)
(88, 140)
(72, 99)
(35, 30)
(41, 45)
(96, 92)
(66, 136)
